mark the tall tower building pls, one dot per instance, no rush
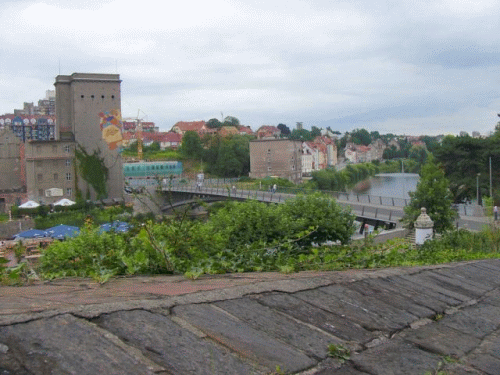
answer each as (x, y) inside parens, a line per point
(88, 110)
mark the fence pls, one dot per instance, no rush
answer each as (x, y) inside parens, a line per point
(251, 191)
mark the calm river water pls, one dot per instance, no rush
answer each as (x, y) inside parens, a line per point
(396, 185)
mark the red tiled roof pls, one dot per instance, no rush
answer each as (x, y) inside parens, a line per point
(128, 136)
(163, 137)
(361, 148)
(268, 128)
(190, 126)
(245, 129)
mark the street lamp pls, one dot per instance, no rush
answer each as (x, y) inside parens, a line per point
(479, 200)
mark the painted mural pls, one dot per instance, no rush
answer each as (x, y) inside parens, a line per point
(111, 127)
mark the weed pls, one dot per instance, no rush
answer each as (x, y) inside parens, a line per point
(340, 352)
(437, 317)
(278, 371)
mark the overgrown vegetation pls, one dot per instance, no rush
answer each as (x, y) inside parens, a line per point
(93, 170)
(434, 194)
(251, 236)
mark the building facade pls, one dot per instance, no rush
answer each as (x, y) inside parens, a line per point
(88, 108)
(12, 182)
(50, 170)
(276, 158)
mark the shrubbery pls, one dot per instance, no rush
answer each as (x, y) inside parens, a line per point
(242, 236)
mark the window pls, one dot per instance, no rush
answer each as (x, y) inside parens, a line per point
(39, 177)
(56, 176)
(268, 169)
(69, 192)
(38, 149)
(68, 162)
(40, 192)
(67, 149)
(68, 176)
(38, 163)
(55, 163)
(54, 149)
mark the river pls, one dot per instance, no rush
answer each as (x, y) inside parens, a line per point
(395, 185)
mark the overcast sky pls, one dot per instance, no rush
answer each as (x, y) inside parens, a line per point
(406, 67)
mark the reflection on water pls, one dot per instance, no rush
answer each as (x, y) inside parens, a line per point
(396, 185)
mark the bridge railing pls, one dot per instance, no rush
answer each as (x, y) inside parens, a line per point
(223, 187)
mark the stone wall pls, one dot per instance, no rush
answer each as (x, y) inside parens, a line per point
(9, 228)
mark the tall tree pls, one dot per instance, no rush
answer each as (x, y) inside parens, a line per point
(434, 194)
(231, 121)
(301, 135)
(285, 130)
(315, 132)
(191, 146)
(214, 123)
(361, 137)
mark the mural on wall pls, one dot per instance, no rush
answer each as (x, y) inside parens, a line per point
(111, 127)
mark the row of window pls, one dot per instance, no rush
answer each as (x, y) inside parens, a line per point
(55, 163)
(93, 96)
(67, 149)
(39, 177)
(152, 167)
(69, 192)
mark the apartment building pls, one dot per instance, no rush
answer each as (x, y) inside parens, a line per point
(276, 158)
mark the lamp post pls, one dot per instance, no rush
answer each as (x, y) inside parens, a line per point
(491, 182)
(479, 200)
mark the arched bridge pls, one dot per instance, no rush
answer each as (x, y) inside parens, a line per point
(381, 212)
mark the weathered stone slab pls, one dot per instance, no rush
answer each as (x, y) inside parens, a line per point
(397, 286)
(348, 309)
(391, 315)
(492, 298)
(395, 358)
(465, 277)
(422, 281)
(478, 321)
(441, 339)
(311, 341)
(245, 340)
(490, 346)
(327, 321)
(460, 369)
(492, 264)
(425, 291)
(344, 370)
(176, 349)
(451, 283)
(479, 274)
(486, 363)
(66, 345)
(371, 289)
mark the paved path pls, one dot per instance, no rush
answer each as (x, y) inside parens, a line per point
(393, 321)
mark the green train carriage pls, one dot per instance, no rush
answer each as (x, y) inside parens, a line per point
(152, 169)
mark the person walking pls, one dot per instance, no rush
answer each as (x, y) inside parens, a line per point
(274, 188)
(495, 212)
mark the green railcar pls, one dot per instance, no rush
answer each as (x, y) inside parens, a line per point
(152, 169)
